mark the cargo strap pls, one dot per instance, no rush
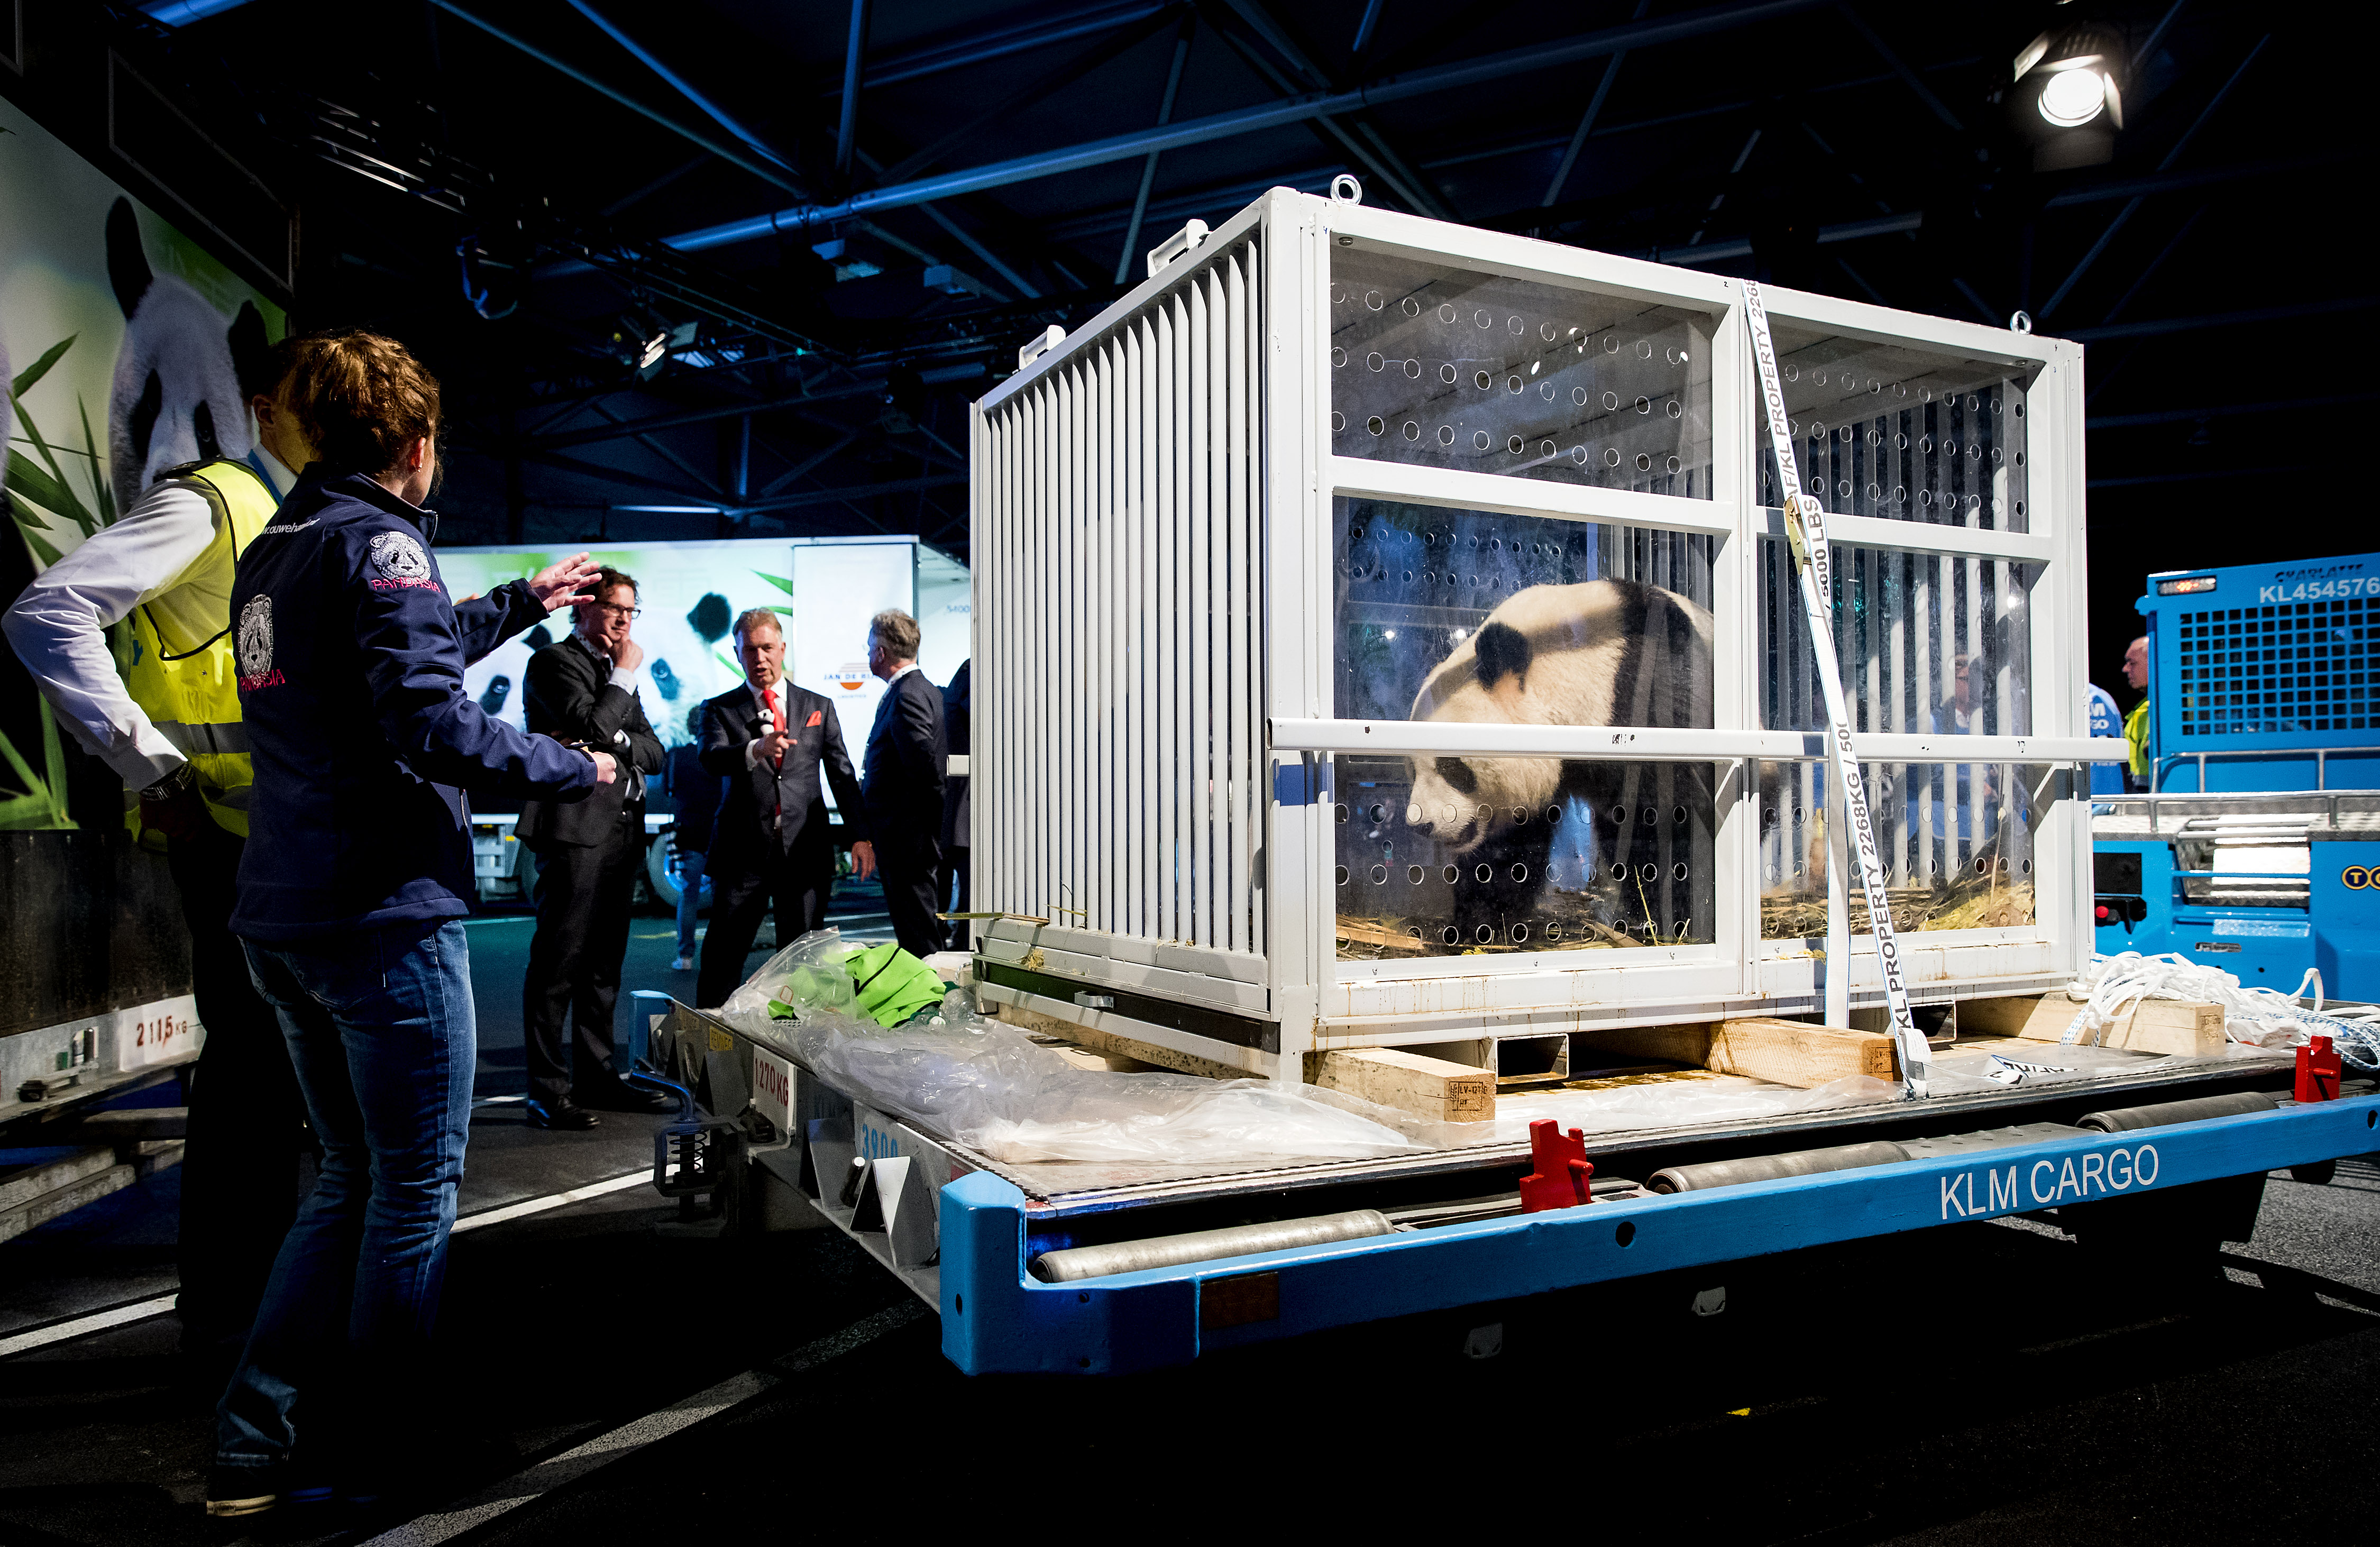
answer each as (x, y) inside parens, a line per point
(1805, 528)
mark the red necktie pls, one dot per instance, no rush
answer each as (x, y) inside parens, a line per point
(776, 722)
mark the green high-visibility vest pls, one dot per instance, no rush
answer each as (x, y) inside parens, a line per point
(182, 673)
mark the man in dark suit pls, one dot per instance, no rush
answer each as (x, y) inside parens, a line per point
(908, 755)
(693, 793)
(583, 690)
(953, 887)
(773, 743)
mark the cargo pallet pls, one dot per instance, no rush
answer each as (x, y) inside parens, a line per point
(963, 1232)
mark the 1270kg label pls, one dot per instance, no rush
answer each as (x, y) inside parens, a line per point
(2046, 1183)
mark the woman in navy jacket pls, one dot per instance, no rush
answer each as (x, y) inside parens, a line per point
(358, 867)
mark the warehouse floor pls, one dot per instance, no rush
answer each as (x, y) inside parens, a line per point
(1979, 1384)
(1982, 1383)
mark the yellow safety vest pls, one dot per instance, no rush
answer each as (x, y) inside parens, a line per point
(182, 672)
(2136, 732)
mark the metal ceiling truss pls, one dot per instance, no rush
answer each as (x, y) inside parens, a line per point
(754, 341)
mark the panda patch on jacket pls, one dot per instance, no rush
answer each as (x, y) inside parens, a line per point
(1620, 842)
(184, 374)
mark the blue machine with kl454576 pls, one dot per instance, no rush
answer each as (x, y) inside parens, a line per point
(2256, 847)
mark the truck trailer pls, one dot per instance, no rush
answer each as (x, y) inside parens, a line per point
(1394, 686)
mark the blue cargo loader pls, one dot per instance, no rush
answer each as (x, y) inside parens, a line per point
(2256, 846)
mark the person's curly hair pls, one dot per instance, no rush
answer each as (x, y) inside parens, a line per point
(361, 400)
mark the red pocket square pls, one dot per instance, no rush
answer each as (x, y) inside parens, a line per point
(816, 715)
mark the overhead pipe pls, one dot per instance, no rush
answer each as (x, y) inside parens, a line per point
(854, 58)
(181, 13)
(1645, 34)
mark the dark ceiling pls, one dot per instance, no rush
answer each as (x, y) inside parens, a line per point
(844, 276)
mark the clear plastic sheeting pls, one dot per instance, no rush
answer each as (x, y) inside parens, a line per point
(995, 1090)
(1680, 1103)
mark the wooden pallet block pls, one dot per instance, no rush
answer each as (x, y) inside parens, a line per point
(1432, 1087)
(2185, 1027)
(1760, 1047)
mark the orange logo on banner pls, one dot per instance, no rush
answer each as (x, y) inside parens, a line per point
(850, 676)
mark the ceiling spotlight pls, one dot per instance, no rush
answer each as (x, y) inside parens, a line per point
(2067, 101)
(2073, 97)
(644, 343)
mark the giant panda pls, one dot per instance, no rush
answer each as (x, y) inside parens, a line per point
(1604, 653)
(184, 374)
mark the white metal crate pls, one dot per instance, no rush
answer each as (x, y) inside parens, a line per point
(1224, 536)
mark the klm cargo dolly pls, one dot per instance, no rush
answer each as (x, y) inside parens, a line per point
(2257, 848)
(1391, 675)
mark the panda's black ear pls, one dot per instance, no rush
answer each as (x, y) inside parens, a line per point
(251, 352)
(145, 413)
(127, 266)
(1500, 650)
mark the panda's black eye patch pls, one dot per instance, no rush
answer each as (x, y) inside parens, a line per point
(1456, 771)
(202, 425)
(144, 416)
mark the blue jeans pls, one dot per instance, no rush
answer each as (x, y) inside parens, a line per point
(380, 1027)
(690, 899)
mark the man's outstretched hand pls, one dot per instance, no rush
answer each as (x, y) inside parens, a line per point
(560, 584)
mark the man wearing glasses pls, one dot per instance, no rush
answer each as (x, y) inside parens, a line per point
(582, 691)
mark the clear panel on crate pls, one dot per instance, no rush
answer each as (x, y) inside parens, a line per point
(1956, 841)
(1470, 616)
(1491, 856)
(1928, 644)
(1450, 368)
(1466, 614)
(1879, 430)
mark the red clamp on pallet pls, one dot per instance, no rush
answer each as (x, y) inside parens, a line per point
(1562, 1170)
(2318, 1074)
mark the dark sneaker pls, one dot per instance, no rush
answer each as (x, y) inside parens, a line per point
(233, 1491)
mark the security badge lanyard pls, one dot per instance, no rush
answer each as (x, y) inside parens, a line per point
(1805, 529)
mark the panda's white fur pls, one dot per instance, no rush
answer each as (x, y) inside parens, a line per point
(177, 395)
(1605, 653)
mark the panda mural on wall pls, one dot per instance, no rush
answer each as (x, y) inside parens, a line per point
(1624, 839)
(7, 405)
(184, 374)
